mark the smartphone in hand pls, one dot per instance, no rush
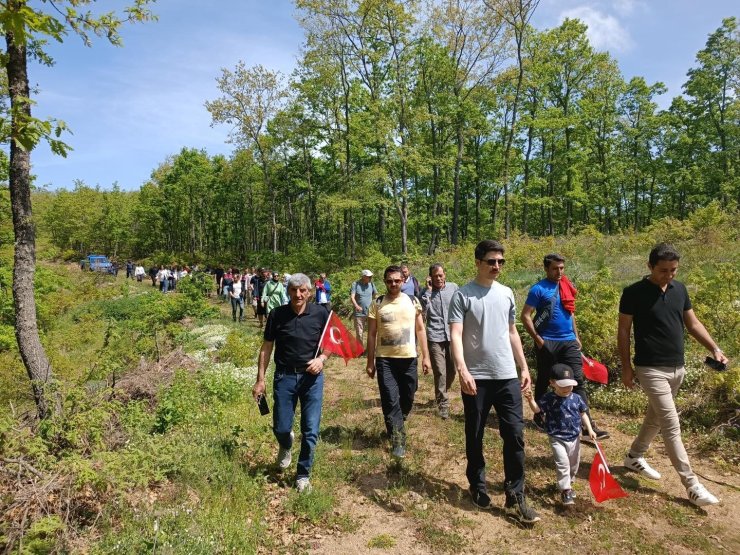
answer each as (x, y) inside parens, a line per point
(715, 364)
(262, 404)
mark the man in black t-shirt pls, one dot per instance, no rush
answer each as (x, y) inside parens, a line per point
(658, 307)
(295, 331)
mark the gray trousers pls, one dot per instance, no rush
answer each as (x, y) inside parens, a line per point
(567, 456)
(661, 384)
(443, 368)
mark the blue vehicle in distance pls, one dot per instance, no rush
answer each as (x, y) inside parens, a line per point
(99, 263)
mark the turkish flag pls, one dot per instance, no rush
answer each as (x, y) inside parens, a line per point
(594, 370)
(603, 485)
(336, 339)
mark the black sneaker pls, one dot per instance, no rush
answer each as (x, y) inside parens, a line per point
(568, 497)
(480, 498)
(600, 434)
(539, 421)
(517, 508)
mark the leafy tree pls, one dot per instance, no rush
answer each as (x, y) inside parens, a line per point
(26, 28)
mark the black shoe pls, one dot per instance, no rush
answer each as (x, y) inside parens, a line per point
(539, 421)
(517, 508)
(600, 434)
(398, 444)
(568, 497)
(480, 498)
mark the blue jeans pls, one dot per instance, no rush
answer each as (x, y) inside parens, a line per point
(289, 388)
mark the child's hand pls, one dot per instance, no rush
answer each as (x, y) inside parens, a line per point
(528, 393)
(592, 435)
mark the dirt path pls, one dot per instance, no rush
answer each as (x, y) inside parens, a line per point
(422, 505)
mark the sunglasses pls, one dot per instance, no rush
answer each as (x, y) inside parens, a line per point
(392, 281)
(494, 261)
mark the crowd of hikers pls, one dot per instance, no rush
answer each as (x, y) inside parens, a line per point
(469, 332)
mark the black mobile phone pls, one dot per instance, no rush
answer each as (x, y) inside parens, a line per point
(262, 404)
(715, 364)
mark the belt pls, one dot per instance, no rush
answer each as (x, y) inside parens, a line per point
(292, 369)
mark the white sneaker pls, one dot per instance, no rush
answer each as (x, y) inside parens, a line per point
(303, 485)
(700, 497)
(284, 455)
(640, 465)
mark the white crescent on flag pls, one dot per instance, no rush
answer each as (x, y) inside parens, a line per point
(601, 470)
(332, 331)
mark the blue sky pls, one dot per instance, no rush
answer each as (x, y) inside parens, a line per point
(131, 107)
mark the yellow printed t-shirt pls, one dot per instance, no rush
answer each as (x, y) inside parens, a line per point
(396, 324)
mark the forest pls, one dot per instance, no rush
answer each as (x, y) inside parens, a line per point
(406, 130)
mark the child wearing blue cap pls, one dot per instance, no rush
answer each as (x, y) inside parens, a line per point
(564, 414)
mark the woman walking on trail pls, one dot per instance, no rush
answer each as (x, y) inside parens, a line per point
(235, 293)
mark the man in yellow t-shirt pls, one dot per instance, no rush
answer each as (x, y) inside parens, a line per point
(395, 324)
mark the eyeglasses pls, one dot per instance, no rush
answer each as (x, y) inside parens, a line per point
(494, 261)
(392, 281)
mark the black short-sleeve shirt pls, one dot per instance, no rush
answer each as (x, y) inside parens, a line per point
(658, 321)
(296, 336)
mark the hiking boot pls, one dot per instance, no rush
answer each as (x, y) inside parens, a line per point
(639, 464)
(444, 413)
(517, 508)
(303, 485)
(479, 497)
(398, 444)
(700, 497)
(539, 421)
(568, 497)
(284, 455)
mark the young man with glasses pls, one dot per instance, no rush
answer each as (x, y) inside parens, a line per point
(395, 325)
(487, 349)
(555, 337)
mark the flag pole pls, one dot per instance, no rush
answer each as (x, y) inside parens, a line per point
(603, 458)
(321, 339)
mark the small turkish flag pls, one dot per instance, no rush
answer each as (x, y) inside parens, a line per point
(336, 339)
(603, 485)
(594, 370)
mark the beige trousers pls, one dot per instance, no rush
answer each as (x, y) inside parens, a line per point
(661, 384)
(360, 328)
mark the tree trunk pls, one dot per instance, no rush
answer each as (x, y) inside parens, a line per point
(458, 169)
(26, 328)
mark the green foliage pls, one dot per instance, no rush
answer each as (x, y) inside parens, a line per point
(42, 536)
(597, 314)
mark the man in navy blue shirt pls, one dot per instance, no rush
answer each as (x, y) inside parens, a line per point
(294, 330)
(556, 338)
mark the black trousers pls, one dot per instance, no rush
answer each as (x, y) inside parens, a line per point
(398, 381)
(506, 398)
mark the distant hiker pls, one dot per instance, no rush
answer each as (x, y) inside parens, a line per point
(549, 316)
(129, 269)
(153, 271)
(361, 294)
(262, 280)
(659, 308)
(410, 284)
(163, 279)
(139, 273)
(235, 295)
(395, 325)
(218, 275)
(564, 414)
(272, 293)
(295, 331)
(487, 349)
(435, 302)
(323, 292)
(226, 281)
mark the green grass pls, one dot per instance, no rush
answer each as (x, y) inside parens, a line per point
(383, 541)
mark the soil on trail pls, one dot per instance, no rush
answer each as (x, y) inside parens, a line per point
(422, 505)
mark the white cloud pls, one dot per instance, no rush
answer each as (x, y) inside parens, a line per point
(604, 31)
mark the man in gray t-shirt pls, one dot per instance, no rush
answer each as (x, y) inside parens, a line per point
(362, 294)
(485, 346)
